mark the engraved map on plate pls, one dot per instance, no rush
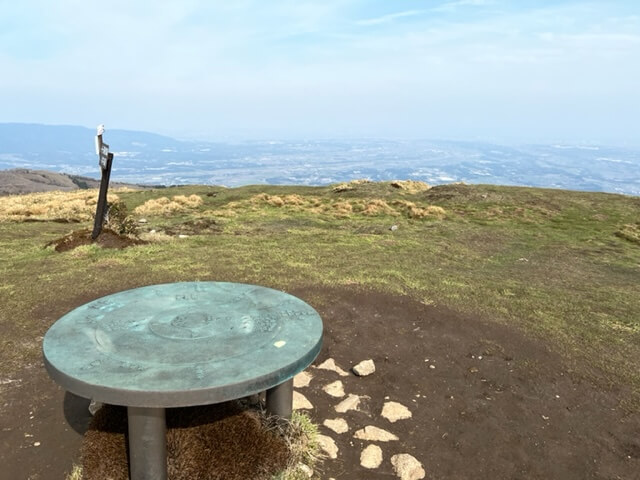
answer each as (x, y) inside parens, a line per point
(180, 326)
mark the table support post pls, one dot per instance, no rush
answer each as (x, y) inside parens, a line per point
(147, 443)
(280, 399)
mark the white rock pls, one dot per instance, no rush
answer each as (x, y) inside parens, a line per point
(407, 467)
(301, 380)
(328, 446)
(330, 364)
(142, 220)
(338, 425)
(335, 389)
(371, 457)
(374, 434)
(364, 368)
(352, 402)
(183, 236)
(394, 411)
(300, 402)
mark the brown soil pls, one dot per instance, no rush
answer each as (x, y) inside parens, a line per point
(106, 239)
(497, 405)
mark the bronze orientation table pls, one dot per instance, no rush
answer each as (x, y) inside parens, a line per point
(179, 345)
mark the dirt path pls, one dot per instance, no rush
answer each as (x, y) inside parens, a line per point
(486, 402)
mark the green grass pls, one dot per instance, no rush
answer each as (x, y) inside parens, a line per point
(549, 262)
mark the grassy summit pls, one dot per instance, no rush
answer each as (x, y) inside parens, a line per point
(559, 265)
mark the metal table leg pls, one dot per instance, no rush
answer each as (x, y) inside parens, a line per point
(147, 443)
(280, 399)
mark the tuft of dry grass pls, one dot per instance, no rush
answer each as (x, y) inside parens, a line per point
(341, 209)
(414, 211)
(76, 473)
(410, 186)
(346, 186)
(278, 201)
(76, 206)
(166, 206)
(377, 206)
(630, 232)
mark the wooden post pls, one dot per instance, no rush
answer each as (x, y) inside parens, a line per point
(106, 159)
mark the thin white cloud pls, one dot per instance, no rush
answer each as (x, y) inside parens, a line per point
(451, 6)
(389, 18)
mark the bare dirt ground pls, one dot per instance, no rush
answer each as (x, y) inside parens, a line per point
(487, 402)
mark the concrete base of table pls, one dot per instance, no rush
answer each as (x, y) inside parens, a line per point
(148, 433)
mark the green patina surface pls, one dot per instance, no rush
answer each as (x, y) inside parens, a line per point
(182, 344)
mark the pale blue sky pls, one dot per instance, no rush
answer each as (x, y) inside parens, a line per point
(506, 71)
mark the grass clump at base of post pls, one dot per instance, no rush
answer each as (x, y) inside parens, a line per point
(301, 436)
(76, 473)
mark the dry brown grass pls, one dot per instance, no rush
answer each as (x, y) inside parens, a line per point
(414, 211)
(630, 232)
(341, 209)
(378, 207)
(336, 208)
(76, 206)
(247, 445)
(166, 206)
(410, 186)
(278, 201)
(346, 186)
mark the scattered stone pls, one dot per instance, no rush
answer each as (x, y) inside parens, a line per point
(473, 370)
(407, 467)
(393, 228)
(305, 469)
(371, 457)
(338, 425)
(328, 446)
(352, 402)
(301, 380)
(300, 402)
(330, 364)
(335, 389)
(142, 220)
(36, 444)
(432, 366)
(394, 411)
(375, 434)
(364, 368)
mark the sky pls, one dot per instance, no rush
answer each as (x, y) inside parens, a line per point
(494, 70)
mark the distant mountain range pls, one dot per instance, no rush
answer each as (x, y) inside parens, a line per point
(142, 157)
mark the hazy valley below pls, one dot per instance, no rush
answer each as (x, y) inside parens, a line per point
(146, 158)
